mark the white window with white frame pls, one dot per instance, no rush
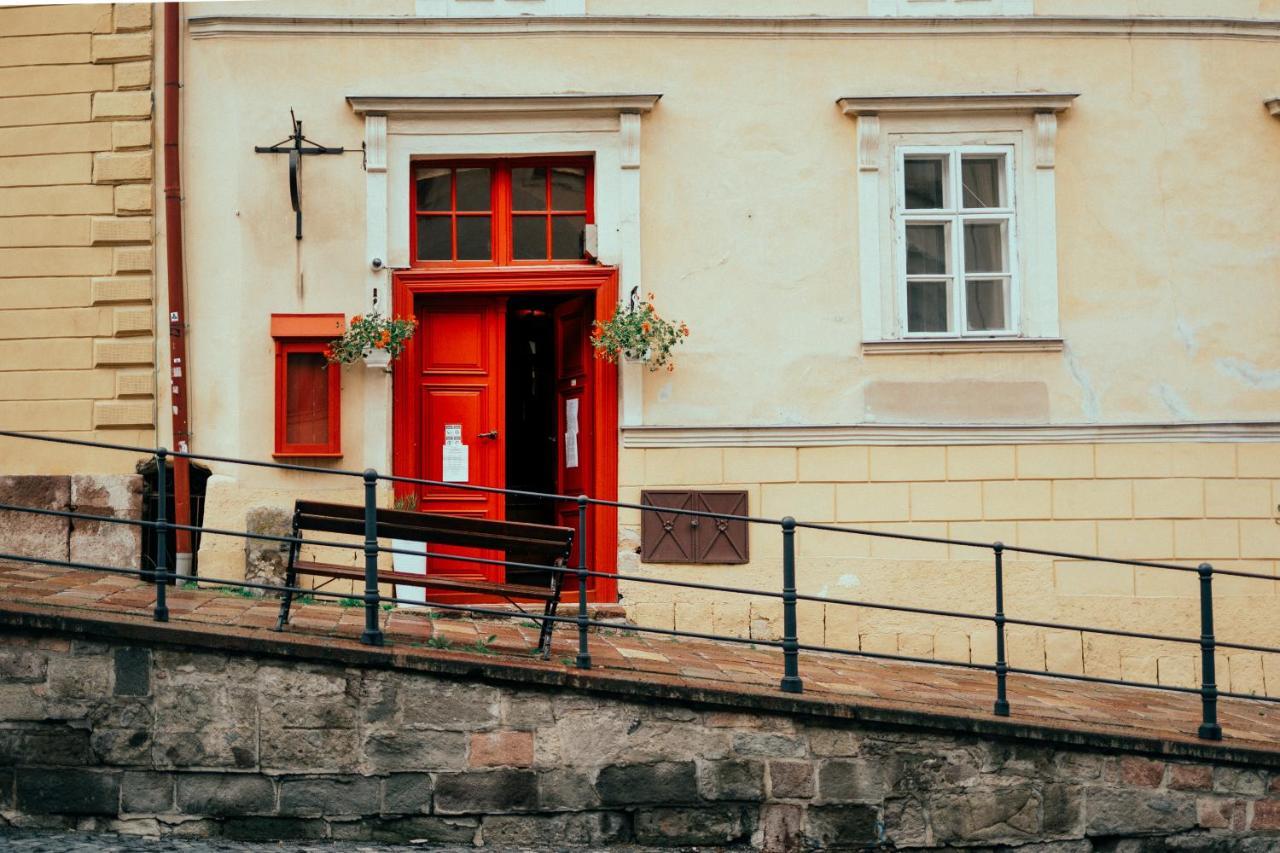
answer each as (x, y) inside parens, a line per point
(956, 241)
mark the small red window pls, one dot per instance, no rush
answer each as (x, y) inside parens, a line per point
(501, 212)
(308, 388)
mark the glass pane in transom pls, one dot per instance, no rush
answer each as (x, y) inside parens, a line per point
(566, 237)
(433, 188)
(983, 180)
(984, 247)
(927, 248)
(473, 189)
(927, 309)
(529, 188)
(530, 238)
(435, 238)
(925, 179)
(473, 238)
(307, 398)
(568, 188)
(987, 304)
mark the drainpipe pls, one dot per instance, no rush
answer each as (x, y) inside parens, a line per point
(179, 369)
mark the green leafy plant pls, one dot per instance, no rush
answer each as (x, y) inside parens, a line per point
(438, 641)
(350, 602)
(306, 599)
(638, 332)
(406, 502)
(369, 332)
(239, 591)
(388, 607)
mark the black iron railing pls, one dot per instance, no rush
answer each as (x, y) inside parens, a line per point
(789, 644)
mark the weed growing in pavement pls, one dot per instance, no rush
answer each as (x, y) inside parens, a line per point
(438, 642)
(350, 602)
(238, 591)
(388, 607)
(306, 599)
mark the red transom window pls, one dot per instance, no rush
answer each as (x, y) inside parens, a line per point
(502, 211)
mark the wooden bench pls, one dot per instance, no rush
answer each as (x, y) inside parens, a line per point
(537, 544)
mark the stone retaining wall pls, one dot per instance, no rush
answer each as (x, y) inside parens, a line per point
(174, 741)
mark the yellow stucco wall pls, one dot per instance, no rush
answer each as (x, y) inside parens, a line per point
(76, 233)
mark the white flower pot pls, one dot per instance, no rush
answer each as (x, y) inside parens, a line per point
(378, 358)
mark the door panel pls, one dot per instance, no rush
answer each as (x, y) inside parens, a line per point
(575, 439)
(461, 391)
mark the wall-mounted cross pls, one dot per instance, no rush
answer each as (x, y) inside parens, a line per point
(292, 145)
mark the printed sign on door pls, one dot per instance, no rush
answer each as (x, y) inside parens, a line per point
(456, 468)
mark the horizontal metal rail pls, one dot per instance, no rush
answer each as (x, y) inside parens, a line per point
(788, 644)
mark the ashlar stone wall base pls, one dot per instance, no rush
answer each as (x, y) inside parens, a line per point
(178, 742)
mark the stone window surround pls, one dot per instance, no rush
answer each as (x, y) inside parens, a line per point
(1026, 120)
(399, 130)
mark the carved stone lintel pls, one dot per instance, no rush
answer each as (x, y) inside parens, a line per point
(868, 143)
(375, 143)
(629, 131)
(1046, 139)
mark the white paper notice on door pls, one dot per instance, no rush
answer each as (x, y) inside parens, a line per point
(571, 432)
(456, 467)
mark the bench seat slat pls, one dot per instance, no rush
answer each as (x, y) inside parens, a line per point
(519, 530)
(353, 573)
(440, 534)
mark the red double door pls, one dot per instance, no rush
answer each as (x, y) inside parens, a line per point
(458, 373)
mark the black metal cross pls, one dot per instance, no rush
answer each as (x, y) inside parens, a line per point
(292, 145)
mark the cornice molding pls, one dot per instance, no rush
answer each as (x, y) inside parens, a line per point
(1274, 106)
(890, 434)
(450, 106)
(1026, 102)
(216, 26)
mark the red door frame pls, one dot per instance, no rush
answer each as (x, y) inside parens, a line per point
(600, 281)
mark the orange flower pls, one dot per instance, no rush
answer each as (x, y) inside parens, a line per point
(644, 327)
(356, 319)
(379, 344)
(386, 336)
(684, 330)
(651, 296)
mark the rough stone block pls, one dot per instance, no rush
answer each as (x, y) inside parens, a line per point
(110, 496)
(132, 16)
(121, 167)
(144, 792)
(68, 791)
(226, 794)
(407, 793)
(854, 780)
(265, 559)
(501, 749)
(593, 829)
(842, 826)
(120, 229)
(132, 671)
(668, 782)
(134, 288)
(1233, 780)
(710, 825)
(56, 744)
(781, 826)
(732, 780)
(132, 259)
(304, 698)
(1215, 813)
(415, 750)
(117, 47)
(132, 75)
(108, 353)
(272, 829)
(1266, 816)
(116, 414)
(1062, 811)
(336, 795)
(132, 199)
(1141, 772)
(1009, 813)
(135, 383)
(489, 792)
(433, 830)
(1116, 811)
(564, 789)
(790, 779)
(29, 535)
(322, 751)
(1190, 777)
(453, 706)
(22, 666)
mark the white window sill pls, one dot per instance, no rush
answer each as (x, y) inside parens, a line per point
(933, 346)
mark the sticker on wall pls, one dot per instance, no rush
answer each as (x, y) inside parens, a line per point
(456, 467)
(571, 432)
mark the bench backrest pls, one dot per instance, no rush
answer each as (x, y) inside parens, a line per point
(544, 540)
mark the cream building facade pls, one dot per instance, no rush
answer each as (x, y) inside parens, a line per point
(999, 270)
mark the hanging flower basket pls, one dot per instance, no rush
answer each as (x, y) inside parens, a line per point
(637, 333)
(375, 338)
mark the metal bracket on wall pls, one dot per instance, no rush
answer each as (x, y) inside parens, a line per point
(292, 145)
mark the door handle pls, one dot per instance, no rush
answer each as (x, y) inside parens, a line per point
(493, 433)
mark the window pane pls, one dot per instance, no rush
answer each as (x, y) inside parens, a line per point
(566, 237)
(984, 247)
(986, 304)
(568, 188)
(473, 238)
(927, 248)
(529, 189)
(306, 398)
(530, 238)
(927, 306)
(473, 189)
(435, 238)
(433, 189)
(983, 179)
(923, 177)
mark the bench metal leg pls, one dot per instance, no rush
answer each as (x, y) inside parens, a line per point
(549, 625)
(290, 581)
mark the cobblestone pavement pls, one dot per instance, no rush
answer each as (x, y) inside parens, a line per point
(78, 842)
(208, 616)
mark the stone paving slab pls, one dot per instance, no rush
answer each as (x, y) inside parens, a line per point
(847, 685)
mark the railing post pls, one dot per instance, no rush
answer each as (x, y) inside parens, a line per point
(1002, 664)
(1209, 728)
(161, 613)
(584, 650)
(791, 682)
(372, 635)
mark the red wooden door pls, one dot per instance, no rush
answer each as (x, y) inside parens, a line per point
(575, 454)
(461, 416)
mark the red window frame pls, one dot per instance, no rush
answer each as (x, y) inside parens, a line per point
(502, 222)
(307, 333)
